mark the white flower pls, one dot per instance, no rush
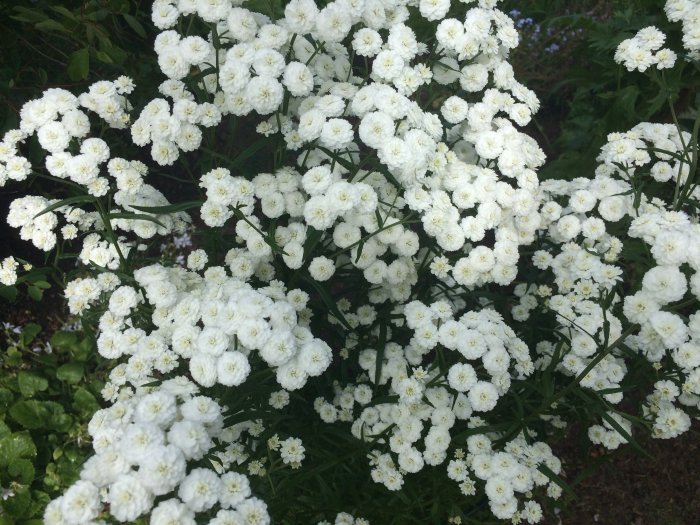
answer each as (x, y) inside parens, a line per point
(321, 268)
(483, 396)
(128, 498)
(434, 9)
(332, 23)
(80, 503)
(367, 42)
(253, 511)
(298, 79)
(232, 368)
(203, 368)
(300, 15)
(200, 489)
(665, 283)
(292, 451)
(462, 377)
(264, 94)
(376, 128)
(172, 511)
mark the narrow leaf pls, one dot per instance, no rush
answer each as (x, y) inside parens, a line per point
(170, 208)
(135, 25)
(66, 202)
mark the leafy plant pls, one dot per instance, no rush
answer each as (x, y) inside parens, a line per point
(49, 388)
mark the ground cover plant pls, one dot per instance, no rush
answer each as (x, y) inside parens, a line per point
(384, 314)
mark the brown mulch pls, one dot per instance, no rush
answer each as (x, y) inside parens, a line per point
(631, 489)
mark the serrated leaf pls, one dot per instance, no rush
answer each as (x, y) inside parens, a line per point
(21, 470)
(30, 413)
(6, 398)
(71, 372)
(63, 340)
(17, 445)
(18, 506)
(30, 383)
(79, 64)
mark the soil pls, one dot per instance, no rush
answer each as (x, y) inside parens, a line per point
(631, 489)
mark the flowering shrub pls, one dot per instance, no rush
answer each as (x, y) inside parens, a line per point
(359, 309)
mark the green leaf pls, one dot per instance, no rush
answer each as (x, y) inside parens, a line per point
(31, 414)
(19, 505)
(65, 12)
(30, 383)
(104, 57)
(249, 152)
(63, 340)
(43, 285)
(328, 301)
(626, 435)
(171, 208)
(135, 25)
(83, 349)
(66, 202)
(29, 15)
(21, 470)
(4, 429)
(556, 479)
(71, 372)
(84, 402)
(79, 65)
(17, 445)
(29, 332)
(6, 398)
(61, 422)
(51, 25)
(117, 54)
(135, 217)
(8, 292)
(35, 293)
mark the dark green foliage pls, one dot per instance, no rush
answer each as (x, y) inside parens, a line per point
(68, 44)
(43, 416)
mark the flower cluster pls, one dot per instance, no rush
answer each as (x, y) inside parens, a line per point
(8, 271)
(586, 279)
(367, 254)
(644, 50)
(143, 443)
(686, 11)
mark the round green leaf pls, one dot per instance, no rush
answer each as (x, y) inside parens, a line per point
(30, 383)
(85, 403)
(71, 372)
(17, 445)
(30, 413)
(21, 470)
